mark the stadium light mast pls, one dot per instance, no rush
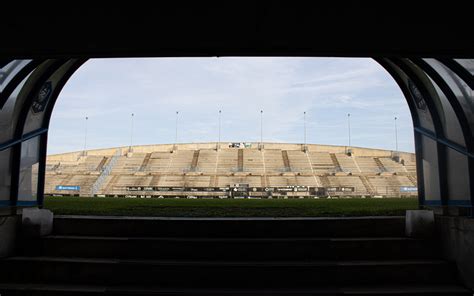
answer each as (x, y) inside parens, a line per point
(131, 132)
(304, 131)
(304, 126)
(349, 128)
(396, 135)
(261, 129)
(176, 131)
(85, 137)
(219, 137)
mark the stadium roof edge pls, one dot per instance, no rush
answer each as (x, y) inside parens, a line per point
(212, 145)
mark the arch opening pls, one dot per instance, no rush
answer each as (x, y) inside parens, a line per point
(438, 93)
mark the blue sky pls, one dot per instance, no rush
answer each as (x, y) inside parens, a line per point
(107, 91)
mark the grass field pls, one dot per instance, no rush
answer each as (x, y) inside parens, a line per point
(229, 207)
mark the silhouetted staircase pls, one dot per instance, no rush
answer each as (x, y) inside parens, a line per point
(368, 187)
(101, 164)
(240, 160)
(325, 181)
(194, 162)
(179, 256)
(380, 165)
(155, 180)
(286, 161)
(145, 162)
(335, 162)
(111, 182)
(412, 180)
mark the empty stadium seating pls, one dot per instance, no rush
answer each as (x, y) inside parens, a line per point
(367, 165)
(253, 161)
(393, 166)
(321, 162)
(347, 163)
(364, 172)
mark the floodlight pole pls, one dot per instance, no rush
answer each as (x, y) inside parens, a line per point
(131, 132)
(219, 137)
(85, 137)
(304, 127)
(176, 131)
(261, 129)
(349, 127)
(396, 135)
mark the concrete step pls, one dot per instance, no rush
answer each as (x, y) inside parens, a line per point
(224, 274)
(229, 227)
(234, 248)
(393, 290)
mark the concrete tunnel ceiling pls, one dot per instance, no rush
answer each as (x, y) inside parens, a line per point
(423, 54)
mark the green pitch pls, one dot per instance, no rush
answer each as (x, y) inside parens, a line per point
(229, 207)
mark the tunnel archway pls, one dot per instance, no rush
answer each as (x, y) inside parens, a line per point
(438, 93)
(426, 49)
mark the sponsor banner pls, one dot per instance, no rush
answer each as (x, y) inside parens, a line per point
(347, 189)
(408, 189)
(245, 188)
(284, 189)
(177, 189)
(292, 189)
(301, 189)
(240, 189)
(134, 188)
(72, 188)
(340, 189)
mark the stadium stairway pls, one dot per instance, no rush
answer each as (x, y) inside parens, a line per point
(101, 164)
(336, 163)
(145, 162)
(380, 164)
(246, 256)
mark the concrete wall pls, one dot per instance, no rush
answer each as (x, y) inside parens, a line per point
(456, 235)
(9, 228)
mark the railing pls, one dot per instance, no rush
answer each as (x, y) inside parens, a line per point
(105, 172)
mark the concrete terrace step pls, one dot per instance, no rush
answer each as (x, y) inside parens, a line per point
(47, 289)
(224, 274)
(229, 227)
(234, 248)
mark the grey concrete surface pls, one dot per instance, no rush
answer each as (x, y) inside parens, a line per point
(456, 235)
(37, 222)
(8, 234)
(419, 223)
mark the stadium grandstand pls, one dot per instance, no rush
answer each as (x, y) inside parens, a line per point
(232, 170)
